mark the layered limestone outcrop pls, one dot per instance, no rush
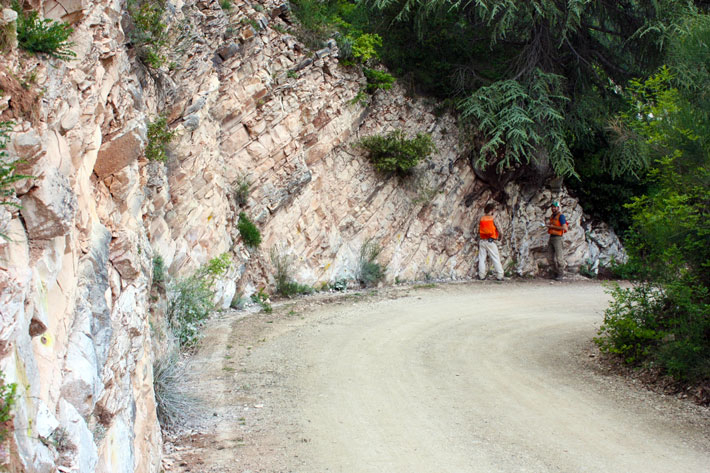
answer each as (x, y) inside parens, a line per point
(247, 103)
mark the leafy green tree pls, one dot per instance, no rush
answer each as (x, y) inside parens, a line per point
(665, 317)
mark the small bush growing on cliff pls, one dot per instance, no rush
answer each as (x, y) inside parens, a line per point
(370, 271)
(158, 271)
(394, 153)
(7, 171)
(37, 35)
(378, 80)
(262, 298)
(216, 267)
(190, 301)
(189, 305)
(159, 136)
(250, 234)
(241, 190)
(150, 33)
(7, 401)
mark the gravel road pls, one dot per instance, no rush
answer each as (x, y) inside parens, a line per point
(478, 377)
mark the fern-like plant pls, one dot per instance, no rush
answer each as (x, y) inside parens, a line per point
(522, 123)
(37, 35)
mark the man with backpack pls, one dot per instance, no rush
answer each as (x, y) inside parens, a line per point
(555, 251)
(488, 232)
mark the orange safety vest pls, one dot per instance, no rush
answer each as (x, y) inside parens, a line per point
(555, 221)
(487, 229)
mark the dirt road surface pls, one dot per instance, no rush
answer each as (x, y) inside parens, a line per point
(465, 378)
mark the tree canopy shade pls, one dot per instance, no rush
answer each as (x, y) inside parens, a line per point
(539, 79)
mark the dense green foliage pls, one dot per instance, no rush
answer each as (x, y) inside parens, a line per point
(395, 153)
(665, 318)
(37, 35)
(540, 85)
(248, 231)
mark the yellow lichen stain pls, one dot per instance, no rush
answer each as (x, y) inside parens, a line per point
(47, 339)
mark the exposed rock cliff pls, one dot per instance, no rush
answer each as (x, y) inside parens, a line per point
(244, 99)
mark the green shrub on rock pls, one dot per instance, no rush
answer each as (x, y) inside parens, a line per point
(37, 35)
(394, 153)
(250, 234)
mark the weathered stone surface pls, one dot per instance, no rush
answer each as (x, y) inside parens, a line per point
(49, 208)
(84, 457)
(119, 151)
(228, 50)
(8, 16)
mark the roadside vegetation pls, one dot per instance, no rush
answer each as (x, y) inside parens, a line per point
(190, 301)
(663, 321)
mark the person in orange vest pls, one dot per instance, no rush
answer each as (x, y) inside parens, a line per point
(488, 232)
(555, 251)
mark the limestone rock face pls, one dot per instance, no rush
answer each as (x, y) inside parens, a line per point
(248, 106)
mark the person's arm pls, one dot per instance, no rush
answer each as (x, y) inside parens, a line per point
(563, 222)
(495, 222)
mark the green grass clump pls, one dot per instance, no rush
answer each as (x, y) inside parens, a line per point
(242, 189)
(370, 270)
(176, 404)
(37, 35)
(248, 231)
(262, 298)
(285, 285)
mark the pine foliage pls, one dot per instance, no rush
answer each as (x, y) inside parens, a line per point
(518, 119)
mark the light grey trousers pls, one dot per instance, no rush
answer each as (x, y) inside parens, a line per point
(556, 255)
(486, 249)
